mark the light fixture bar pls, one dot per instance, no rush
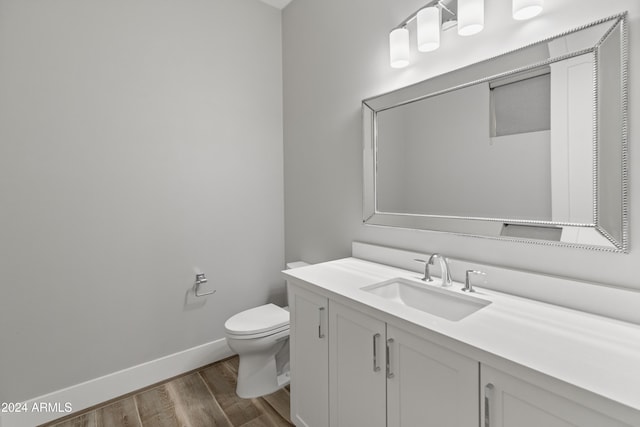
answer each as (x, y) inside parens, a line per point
(448, 14)
(441, 15)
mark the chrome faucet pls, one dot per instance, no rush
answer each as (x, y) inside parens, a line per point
(444, 269)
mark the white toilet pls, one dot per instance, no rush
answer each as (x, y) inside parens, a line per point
(260, 336)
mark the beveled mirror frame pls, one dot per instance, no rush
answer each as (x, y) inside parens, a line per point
(614, 239)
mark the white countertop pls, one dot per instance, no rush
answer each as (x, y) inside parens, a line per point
(592, 352)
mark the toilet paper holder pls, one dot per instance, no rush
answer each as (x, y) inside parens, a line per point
(200, 279)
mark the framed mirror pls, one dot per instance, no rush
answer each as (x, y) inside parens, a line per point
(529, 146)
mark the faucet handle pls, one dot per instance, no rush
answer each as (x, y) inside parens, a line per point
(427, 274)
(467, 280)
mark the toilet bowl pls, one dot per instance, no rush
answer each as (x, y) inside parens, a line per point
(260, 337)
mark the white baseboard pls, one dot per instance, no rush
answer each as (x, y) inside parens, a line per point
(95, 391)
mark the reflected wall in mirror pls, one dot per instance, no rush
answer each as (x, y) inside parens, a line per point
(530, 145)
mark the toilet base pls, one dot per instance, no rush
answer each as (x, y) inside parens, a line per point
(264, 364)
(256, 378)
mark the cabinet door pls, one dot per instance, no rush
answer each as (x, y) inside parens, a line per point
(356, 368)
(309, 359)
(508, 401)
(429, 385)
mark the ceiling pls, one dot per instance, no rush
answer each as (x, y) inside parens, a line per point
(280, 4)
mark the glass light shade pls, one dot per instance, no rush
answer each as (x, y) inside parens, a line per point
(399, 48)
(428, 23)
(470, 17)
(526, 9)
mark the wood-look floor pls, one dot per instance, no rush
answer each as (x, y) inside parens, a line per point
(203, 398)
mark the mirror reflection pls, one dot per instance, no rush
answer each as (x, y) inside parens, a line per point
(514, 147)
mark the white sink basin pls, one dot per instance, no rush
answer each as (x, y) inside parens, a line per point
(428, 298)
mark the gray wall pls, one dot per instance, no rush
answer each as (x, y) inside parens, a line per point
(139, 141)
(336, 54)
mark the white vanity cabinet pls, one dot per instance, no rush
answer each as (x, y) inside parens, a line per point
(349, 369)
(381, 375)
(533, 400)
(354, 364)
(357, 368)
(309, 359)
(429, 385)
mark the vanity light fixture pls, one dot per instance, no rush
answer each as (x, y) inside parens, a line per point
(429, 20)
(441, 15)
(526, 9)
(399, 47)
(470, 17)
(428, 28)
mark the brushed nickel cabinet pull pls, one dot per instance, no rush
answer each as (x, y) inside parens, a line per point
(488, 390)
(320, 333)
(389, 373)
(376, 367)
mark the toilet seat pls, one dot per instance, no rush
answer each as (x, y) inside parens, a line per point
(268, 319)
